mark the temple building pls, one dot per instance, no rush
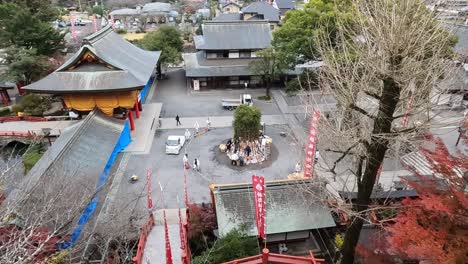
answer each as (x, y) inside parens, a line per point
(225, 64)
(107, 73)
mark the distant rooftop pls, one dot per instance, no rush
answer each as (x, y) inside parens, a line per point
(228, 17)
(147, 9)
(230, 35)
(264, 9)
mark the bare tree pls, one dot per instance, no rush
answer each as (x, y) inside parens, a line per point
(40, 212)
(381, 71)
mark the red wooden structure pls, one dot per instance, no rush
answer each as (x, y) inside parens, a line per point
(17, 134)
(145, 230)
(267, 257)
(24, 118)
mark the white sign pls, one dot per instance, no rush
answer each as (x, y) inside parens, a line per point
(196, 85)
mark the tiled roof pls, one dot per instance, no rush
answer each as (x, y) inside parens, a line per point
(268, 12)
(228, 17)
(285, 4)
(81, 153)
(291, 205)
(234, 35)
(128, 67)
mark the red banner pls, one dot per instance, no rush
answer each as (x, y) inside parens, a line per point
(404, 120)
(311, 146)
(73, 29)
(95, 23)
(258, 184)
(148, 189)
(112, 21)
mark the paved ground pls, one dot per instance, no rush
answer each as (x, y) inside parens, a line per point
(145, 126)
(216, 121)
(168, 169)
(177, 100)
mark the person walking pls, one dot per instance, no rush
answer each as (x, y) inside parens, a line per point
(185, 160)
(298, 167)
(177, 118)
(196, 164)
(196, 126)
(208, 123)
(187, 134)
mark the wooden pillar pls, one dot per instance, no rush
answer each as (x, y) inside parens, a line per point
(137, 110)
(265, 253)
(130, 118)
(20, 88)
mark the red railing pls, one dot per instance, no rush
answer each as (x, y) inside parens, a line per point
(16, 134)
(145, 230)
(267, 257)
(24, 118)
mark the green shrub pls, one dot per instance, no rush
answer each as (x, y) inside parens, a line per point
(264, 98)
(121, 31)
(34, 104)
(233, 245)
(59, 257)
(246, 122)
(32, 156)
(17, 108)
(5, 111)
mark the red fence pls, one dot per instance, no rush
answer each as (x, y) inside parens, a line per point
(16, 134)
(24, 118)
(145, 230)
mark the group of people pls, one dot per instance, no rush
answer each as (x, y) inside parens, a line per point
(196, 163)
(253, 151)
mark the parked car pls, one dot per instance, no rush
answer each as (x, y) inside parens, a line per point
(174, 144)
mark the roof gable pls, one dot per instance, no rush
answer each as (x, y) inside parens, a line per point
(263, 8)
(129, 66)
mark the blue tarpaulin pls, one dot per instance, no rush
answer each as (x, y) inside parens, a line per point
(122, 143)
(145, 90)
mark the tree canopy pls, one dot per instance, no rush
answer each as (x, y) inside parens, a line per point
(25, 65)
(246, 122)
(169, 41)
(44, 10)
(232, 246)
(22, 28)
(297, 37)
(269, 65)
(439, 218)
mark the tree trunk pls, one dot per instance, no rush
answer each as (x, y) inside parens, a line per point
(159, 71)
(268, 85)
(374, 157)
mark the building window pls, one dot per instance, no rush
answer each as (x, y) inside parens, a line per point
(234, 54)
(272, 26)
(244, 54)
(228, 9)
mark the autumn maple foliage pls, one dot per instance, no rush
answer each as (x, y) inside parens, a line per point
(434, 227)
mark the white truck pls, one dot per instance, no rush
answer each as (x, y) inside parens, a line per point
(231, 104)
(174, 144)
